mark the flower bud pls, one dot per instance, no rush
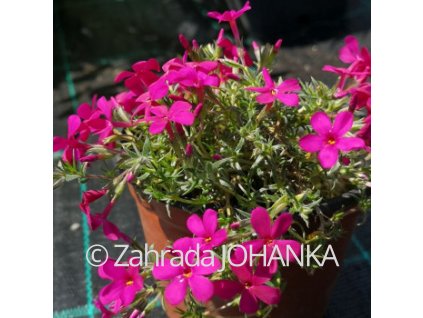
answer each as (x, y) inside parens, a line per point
(345, 161)
(197, 110)
(184, 42)
(277, 46)
(129, 177)
(188, 150)
(235, 226)
(216, 157)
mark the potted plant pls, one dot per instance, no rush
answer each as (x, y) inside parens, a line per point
(226, 161)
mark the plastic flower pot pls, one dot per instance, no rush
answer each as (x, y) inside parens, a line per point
(305, 295)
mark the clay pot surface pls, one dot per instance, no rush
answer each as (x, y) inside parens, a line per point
(306, 296)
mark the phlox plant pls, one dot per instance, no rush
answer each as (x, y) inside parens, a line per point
(251, 156)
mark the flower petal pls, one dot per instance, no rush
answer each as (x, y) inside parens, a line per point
(59, 143)
(180, 112)
(350, 143)
(201, 288)
(109, 271)
(219, 237)
(267, 294)
(281, 225)
(123, 75)
(176, 290)
(328, 157)
(227, 289)
(343, 123)
(157, 126)
(267, 79)
(348, 53)
(209, 267)
(164, 270)
(111, 292)
(260, 220)
(265, 98)
(287, 248)
(74, 122)
(128, 294)
(321, 123)
(195, 225)
(210, 221)
(289, 85)
(183, 244)
(311, 143)
(158, 89)
(291, 100)
(248, 303)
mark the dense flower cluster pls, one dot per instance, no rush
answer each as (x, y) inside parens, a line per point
(212, 131)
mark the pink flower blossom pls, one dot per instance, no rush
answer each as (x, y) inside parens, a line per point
(184, 276)
(206, 229)
(73, 146)
(95, 220)
(330, 139)
(189, 76)
(126, 283)
(158, 89)
(127, 100)
(252, 287)
(284, 92)
(230, 17)
(268, 236)
(359, 59)
(231, 51)
(179, 112)
(141, 77)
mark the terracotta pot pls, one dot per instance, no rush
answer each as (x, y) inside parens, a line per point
(306, 296)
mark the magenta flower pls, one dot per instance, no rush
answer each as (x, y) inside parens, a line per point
(141, 77)
(230, 17)
(359, 59)
(179, 112)
(231, 51)
(252, 287)
(206, 229)
(188, 76)
(330, 139)
(73, 146)
(284, 92)
(184, 276)
(95, 220)
(268, 237)
(126, 283)
(158, 89)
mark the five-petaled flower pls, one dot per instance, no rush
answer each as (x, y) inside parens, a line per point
(231, 16)
(73, 146)
(268, 238)
(205, 229)
(284, 92)
(179, 112)
(126, 283)
(190, 273)
(330, 139)
(251, 284)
